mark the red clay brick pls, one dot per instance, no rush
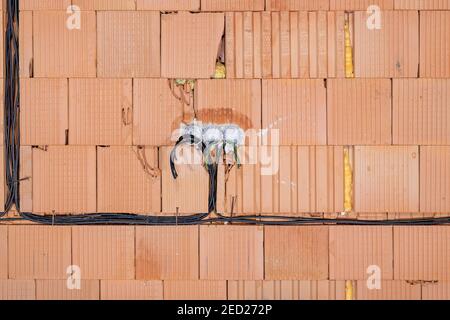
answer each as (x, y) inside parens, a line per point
(44, 4)
(353, 249)
(434, 179)
(188, 194)
(167, 253)
(131, 290)
(25, 44)
(3, 252)
(359, 111)
(297, 108)
(390, 290)
(294, 5)
(286, 290)
(128, 44)
(38, 252)
(57, 290)
(420, 113)
(104, 252)
(362, 5)
(389, 52)
(157, 114)
(61, 52)
(64, 180)
(277, 44)
(44, 112)
(200, 37)
(195, 290)
(232, 5)
(231, 253)
(105, 4)
(434, 44)
(422, 4)
(308, 179)
(126, 182)
(100, 111)
(229, 101)
(296, 253)
(168, 5)
(436, 291)
(17, 290)
(421, 253)
(386, 179)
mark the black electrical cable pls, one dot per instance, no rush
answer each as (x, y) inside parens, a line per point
(12, 162)
(11, 107)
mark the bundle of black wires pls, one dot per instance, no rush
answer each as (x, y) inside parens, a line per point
(12, 106)
(210, 165)
(199, 219)
(12, 163)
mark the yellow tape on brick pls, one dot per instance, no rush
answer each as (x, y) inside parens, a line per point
(348, 290)
(348, 182)
(348, 52)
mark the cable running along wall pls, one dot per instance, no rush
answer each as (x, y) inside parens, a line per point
(12, 107)
(12, 168)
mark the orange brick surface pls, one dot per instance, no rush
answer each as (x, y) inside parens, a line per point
(157, 113)
(333, 115)
(59, 51)
(167, 252)
(126, 182)
(359, 111)
(387, 179)
(64, 179)
(421, 252)
(296, 253)
(104, 252)
(305, 179)
(128, 44)
(201, 37)
(297, 109)
(434, 50)
(100, 111)
(231, 253)
(355, 250)
(434, 174)
(44, 113)
(39, 252)
(131, 290)
(57, 290)
(392, 51)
